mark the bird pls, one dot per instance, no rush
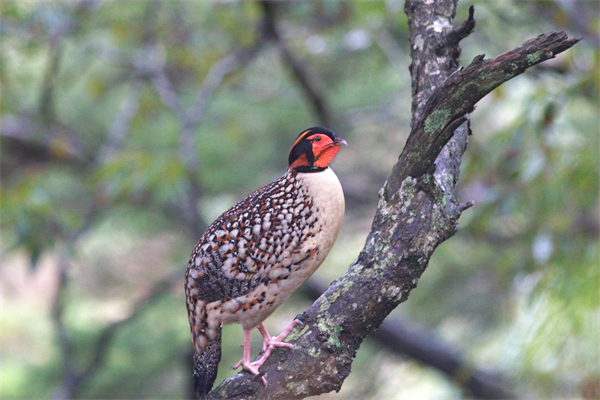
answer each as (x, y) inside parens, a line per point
(257, 253)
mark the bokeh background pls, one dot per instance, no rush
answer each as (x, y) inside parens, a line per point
(128, 126)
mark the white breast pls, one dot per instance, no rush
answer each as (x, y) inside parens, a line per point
(328, 199)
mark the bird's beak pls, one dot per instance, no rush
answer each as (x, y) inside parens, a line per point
(339, 140)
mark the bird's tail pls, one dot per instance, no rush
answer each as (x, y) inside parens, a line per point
(206, 361)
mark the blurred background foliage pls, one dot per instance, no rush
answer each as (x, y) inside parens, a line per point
(128, 126)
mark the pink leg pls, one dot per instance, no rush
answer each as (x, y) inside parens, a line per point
(246, 353)
(269, 342)
(245, 361)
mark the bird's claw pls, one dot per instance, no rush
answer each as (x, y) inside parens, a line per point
(269, 343)
(236, 366)
(252, 368)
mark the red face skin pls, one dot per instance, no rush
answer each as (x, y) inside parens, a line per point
(324, 149)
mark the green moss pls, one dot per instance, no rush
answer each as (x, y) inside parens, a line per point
(437, 120)
(408, 193)
(333, 340)
(534, 57)
(314, 352)
(295, 334)
(327, 301)
(461, 89)
(321, 326)
(331, 332)
(387, 261)
(485, 79)
(443, 199)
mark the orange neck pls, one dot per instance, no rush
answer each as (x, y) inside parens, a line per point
(324, 158)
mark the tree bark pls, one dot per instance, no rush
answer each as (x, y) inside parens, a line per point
(416, 210)
(423, 346)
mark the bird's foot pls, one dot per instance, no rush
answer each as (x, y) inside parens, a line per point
(269, 343)
(250, 367)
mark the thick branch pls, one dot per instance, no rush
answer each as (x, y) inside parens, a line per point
(449, 105)
(423, 346)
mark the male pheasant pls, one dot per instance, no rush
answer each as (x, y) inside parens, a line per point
(260, 251)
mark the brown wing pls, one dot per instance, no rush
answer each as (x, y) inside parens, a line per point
(239, 249)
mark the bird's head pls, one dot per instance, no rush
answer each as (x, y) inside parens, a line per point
(314, 149)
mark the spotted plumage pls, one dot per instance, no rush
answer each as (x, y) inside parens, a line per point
(260, 251)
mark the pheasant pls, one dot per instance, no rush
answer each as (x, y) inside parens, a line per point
(260, 251)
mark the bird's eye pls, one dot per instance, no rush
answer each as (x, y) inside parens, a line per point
(317, 139)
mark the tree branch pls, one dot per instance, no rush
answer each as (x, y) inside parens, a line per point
(190, 119)
(119, 129)
(449, 105)
(413, 215)
(423, 346)
(308, 85)
(62, 334)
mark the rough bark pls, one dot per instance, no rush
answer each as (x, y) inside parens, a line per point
(423, 346)
(449, 105)
(416, 210)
